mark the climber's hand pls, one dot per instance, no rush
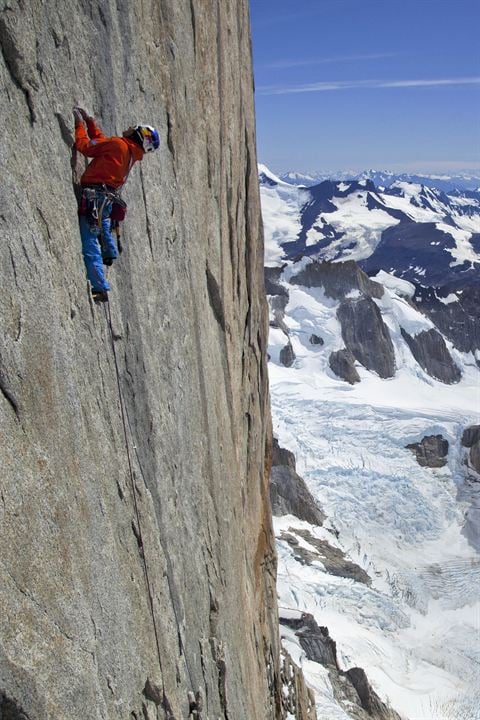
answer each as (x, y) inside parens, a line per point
(86, 116)
(78, 115)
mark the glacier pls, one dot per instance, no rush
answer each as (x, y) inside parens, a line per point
(416, 629)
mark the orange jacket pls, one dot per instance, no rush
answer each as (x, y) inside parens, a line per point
(113, 157)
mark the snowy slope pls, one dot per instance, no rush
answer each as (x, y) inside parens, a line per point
(416, 629)
(398, 229)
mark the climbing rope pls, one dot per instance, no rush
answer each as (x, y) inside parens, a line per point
(108, 317)
(169, 564)
(125, 422)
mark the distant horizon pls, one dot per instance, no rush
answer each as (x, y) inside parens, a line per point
(438, 172)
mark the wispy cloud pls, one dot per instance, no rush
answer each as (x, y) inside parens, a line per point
(284, 64)
(363, 84)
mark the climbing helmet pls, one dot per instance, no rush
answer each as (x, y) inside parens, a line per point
(148, 136)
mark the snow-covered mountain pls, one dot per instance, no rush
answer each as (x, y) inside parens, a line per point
(375, 383)
(419, 234)
(383, 178)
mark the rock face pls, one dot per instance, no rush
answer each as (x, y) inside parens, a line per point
(366, 336)
(430, 351)
(288, 493)
(179, 489)
(431, 452)
(342, 363)
(337, 279)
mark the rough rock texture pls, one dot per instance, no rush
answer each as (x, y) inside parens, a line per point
(80, 634)
(288, 493)
(342, 363)
(431, 451)
(430, 351)
(350, 688)
(471, 440)
(337, 279)
(366, 335)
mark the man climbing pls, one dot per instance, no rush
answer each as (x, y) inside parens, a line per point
(113, 158)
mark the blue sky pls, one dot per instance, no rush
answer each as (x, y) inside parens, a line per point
(356, 84)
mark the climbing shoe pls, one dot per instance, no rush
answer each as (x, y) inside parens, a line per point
(100, 296)
(108, 261)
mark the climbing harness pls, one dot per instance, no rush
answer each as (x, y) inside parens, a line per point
(92, 204)
(139, 533)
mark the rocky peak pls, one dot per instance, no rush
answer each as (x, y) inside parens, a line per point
(338, 279)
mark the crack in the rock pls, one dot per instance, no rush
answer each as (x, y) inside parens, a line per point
(11, 57)
(8, 395)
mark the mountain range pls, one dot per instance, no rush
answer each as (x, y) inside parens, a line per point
(374, 356)
(466, 180)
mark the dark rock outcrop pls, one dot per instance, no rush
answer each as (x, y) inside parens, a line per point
(470, 436)
(342, 363)
(366, 336)
(315, 640)
(316, 339)
(458, 321)
(287, 356)
(288, 493)
(351, 688)
(331, 557)
(474, 457)
(282, 456)
(297, 699)
(278, 304)
(471, 440)
(337, 279)
(369, 699)
(430, 351)
(431, 451)
(272, 277)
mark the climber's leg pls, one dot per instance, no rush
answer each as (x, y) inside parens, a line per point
(109, 246)
(92, 255)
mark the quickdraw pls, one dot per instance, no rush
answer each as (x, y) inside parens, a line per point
(92, 204)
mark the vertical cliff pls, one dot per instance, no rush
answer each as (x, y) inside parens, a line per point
(137, 560)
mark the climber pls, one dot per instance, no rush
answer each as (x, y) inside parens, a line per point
(113, 158)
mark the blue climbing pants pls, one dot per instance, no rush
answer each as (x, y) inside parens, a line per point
(98, 245)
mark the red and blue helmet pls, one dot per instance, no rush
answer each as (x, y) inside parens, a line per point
(149, 137)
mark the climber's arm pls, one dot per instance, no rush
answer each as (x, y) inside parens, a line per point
(89, 140)
(88, 147)
(94, 132)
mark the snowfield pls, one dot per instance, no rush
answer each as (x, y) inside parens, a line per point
(416, 629)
